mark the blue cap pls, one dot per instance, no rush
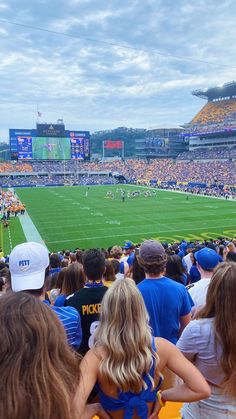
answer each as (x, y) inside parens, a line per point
(128, 245)
(207, 258)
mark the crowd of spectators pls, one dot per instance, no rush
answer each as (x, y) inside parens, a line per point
(8, 167)
(215, 171)
(213, 154)
(56, 180)
(214, 116)
(56, 306)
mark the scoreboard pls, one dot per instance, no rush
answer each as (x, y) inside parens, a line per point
(79, 144)
(49, 142)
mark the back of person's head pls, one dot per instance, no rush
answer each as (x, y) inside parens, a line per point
(27, 264)
(3, 265)
(125, 335)
(116, 266)
(220, 304)
(55, 261)
(60, 278)
(72, 257)
(137, 271)
(175, 269)
(74, 279)
(116, 252)
(79, 256)
(32, 351)
(64, 263)
(207, 259)
(221, 250)
(231, 257)
(94, 264)
(5, 278)
(152, 257)
(109, 274)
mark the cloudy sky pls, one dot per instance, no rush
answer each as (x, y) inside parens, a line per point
(111, 63)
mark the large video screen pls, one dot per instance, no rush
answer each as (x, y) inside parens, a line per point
(51, 148)
(28, 145)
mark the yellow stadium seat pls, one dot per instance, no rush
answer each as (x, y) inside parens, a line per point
(170, 411)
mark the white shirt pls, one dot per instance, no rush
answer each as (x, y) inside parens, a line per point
(198, 292)
(188, 261)
(197, 343)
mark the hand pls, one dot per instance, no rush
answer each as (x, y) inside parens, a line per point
(156, 410)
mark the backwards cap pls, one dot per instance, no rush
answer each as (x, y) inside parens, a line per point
(207, 258)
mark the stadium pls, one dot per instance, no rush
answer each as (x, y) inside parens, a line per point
(52, 165)
(101, 217)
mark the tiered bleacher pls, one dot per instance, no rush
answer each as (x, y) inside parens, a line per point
(215, 115)
(216, 173)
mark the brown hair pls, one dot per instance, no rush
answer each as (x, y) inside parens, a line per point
(116, 252)
(61, 277)
(153, 267)
(74, 279)
(109, 274)
(220, 304)
(39, 372)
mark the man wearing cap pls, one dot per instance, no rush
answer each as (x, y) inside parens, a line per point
(129, 252)
(168, 302)
(207, 260)
(27, 264)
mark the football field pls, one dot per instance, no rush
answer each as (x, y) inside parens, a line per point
(66, 218)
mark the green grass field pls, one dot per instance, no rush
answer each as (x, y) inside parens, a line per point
(67, 219)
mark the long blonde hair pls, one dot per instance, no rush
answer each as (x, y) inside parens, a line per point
(125, 335)
(220, 304)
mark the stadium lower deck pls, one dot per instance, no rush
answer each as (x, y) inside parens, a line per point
(66, 218)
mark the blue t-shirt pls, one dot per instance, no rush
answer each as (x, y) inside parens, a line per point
(194, 274)
(166, 301)
(71, 321)
(60, 301)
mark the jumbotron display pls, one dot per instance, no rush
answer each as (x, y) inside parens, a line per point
(49, 142)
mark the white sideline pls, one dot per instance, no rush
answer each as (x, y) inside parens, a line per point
(30, 231)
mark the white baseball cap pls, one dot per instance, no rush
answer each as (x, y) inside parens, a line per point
(27, 264)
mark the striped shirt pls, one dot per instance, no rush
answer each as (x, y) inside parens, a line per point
(70, 319)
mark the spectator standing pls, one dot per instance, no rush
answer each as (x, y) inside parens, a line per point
(175, 269)
(74, 280)
(210, 342)
(27, 264)
(39, 372)
(88, 300)
(109, 275)
(207, 260)
(126, 361)
(167, 302)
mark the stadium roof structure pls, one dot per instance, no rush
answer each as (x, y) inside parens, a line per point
(224, 91)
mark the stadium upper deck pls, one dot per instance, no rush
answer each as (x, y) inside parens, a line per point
(216, 120)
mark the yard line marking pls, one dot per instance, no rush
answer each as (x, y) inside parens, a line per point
(133, 234)
(9, 236)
